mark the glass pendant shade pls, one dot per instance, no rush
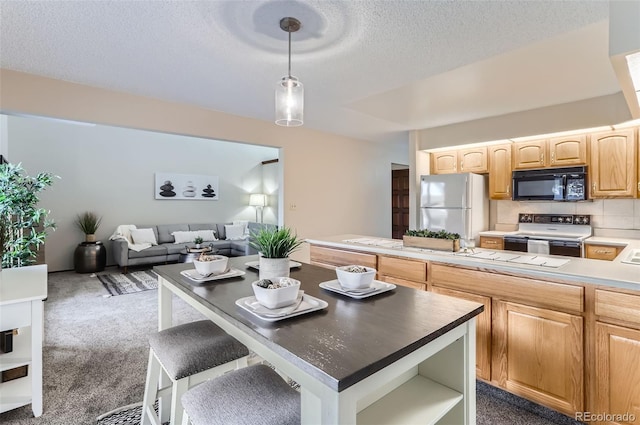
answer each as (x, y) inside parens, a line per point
(289, 102)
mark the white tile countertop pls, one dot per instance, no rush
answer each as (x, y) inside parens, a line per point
(609, 273)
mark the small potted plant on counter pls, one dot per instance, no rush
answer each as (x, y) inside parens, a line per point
(439, 240)
(274, 246)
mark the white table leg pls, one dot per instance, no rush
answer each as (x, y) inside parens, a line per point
(165, 321)
(37, 334)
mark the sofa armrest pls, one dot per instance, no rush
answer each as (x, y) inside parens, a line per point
(120, 251)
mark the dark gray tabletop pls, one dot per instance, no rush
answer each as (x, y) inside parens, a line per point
(344, 343)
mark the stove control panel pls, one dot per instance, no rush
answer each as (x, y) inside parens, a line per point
(554, 219)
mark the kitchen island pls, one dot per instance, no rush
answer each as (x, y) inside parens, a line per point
(565, 334)
(403, 356)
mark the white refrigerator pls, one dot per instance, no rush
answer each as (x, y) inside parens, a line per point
(457, 203)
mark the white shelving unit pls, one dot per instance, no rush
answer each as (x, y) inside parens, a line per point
(22, 292)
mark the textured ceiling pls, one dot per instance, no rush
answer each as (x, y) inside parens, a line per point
(371, 69)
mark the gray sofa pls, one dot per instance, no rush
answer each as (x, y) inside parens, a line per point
(168, 251)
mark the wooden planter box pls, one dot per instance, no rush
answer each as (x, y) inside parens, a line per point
(432, 243)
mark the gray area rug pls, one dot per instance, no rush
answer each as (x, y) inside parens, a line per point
(119, 283)
(96, 351)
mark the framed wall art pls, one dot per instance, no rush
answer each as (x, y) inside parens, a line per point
(186, 186)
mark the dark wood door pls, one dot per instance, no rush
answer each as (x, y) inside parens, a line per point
(399, 203)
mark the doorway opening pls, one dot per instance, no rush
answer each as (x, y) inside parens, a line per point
(399, 200)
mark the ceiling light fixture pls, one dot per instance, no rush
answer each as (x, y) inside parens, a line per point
(289, 91)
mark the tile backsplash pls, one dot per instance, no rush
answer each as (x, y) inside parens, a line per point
(605, 213)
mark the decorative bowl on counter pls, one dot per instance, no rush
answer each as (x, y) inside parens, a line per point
(276, 292)
(355, 277)
(211, 264)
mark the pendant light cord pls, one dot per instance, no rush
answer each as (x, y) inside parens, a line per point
(289, 31)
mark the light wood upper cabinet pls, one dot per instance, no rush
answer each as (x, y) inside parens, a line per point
(473, 160)
(538, 353)
(613, 164)
(531, 154)
(499, 171)
(568, 151)
(444, 162)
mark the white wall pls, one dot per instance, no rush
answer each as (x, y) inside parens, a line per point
(110, 171)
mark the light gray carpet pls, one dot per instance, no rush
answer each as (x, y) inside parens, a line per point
(95, 358)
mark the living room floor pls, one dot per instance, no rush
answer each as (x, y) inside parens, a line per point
(96, 351)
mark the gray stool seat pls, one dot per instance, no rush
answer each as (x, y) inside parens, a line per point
(187, 355)
(188, 349)
(255, 395)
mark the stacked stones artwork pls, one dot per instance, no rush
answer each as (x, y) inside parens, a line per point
(166, 189)
(208, 192)
(189, 190)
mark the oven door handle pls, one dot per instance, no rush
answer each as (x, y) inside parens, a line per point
(570, 244)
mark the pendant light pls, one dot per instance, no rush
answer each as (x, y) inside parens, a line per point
(289, 91)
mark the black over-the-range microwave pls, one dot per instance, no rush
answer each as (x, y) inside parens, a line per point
(551, 184)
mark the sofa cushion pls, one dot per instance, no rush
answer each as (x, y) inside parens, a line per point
(234, 232)
(221, 233)
(204, 226)
(143, 236)
(149, 252)
(165, 230)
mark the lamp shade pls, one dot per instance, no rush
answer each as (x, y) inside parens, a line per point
(258, 200)
(289, 102)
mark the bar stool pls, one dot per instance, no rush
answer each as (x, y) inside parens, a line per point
(249, 396)
(188, 354)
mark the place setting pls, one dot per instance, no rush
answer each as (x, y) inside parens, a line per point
(357, 282)
(279, 298)
(211, 267)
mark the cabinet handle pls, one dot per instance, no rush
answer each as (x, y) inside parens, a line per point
(553, 157)
(593, 187)
(638, 186)
(541, 158)
(461, 165)
(490, 242)
(603, 251)
(508, 189)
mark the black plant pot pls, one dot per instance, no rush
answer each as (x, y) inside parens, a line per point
(90, 257)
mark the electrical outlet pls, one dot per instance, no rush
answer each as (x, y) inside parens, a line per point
(293, 206)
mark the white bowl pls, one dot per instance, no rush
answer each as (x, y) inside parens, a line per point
(351, 280)
(217, 266)
(277, 297)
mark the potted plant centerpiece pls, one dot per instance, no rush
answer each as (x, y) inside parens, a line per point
(88, 222)
(274, 246)
(90, 256)
(198, 240)
(438, 240)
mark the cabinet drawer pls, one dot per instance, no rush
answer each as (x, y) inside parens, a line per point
(340, 257)
(602, 252)
(402, 268)
(525, 290)
(14, 316)
(491, 242)
(616, 305)
(403, 282)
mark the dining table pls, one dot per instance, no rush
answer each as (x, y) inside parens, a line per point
(397, 355)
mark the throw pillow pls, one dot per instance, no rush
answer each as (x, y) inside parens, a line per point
(183, 236)
(244, 224)
(141, 236)
(234, 232)
(207, 235)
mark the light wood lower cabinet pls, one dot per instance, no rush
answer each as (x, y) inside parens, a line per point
(538, 354)
(492, 242)
(602, 252)
(403, 271)
(618, 373)
(483, 329)
(332, 257)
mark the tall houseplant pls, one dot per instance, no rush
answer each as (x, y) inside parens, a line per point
(23, 226)
(274, 245)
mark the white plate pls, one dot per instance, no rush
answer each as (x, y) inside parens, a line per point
(377, 287)
(193, 275)
(256, 264)
(307, 305)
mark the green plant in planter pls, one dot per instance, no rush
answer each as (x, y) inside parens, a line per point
(426, 233)
(198, 240)
(275, 243)
(23, 226)
(88, 222)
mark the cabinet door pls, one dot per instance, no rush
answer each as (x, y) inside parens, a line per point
(333, 257)
(473, 160)
(403, 282)
(500, 171)
(613, 164)
(483, 329)
(491, 242)
(444, 162)
(530, 154)
(617, 372)
(538, 354)
(567, 151)
(602, 252)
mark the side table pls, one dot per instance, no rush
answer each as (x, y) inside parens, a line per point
(90, 257)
